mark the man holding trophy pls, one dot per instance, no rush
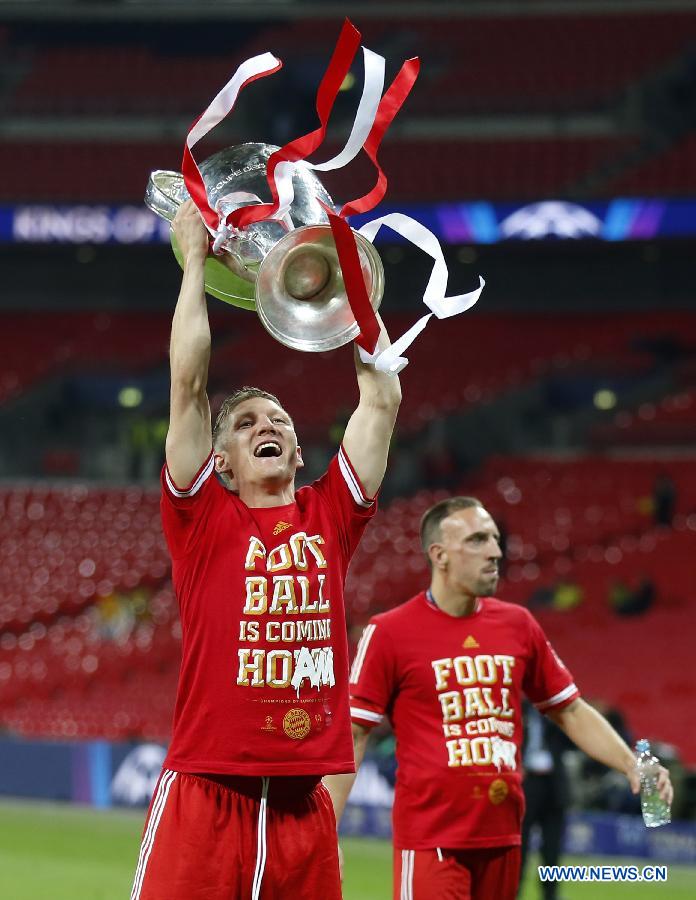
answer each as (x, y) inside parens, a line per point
(262, 706)
(262, 709)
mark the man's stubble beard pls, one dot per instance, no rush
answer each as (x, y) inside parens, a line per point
(487, 586)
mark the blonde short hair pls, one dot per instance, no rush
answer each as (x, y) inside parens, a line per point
(233, 401)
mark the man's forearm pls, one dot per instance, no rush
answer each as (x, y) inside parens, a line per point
(376, 388)
(339, 787)
(190, 338)
(369, 430)
(591, 732)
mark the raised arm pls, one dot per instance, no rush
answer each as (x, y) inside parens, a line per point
(591, 732)
(189, 436)
(369, 430)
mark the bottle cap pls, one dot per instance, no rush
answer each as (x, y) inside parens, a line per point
(643, 746)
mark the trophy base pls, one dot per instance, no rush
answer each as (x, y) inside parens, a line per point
(220, 282)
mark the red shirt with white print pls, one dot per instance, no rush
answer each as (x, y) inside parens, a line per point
(452, 688)
(264, 671)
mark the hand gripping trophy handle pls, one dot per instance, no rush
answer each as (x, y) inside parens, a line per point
(165, 193)
(287, 270)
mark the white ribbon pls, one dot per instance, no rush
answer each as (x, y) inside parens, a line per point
(365, 116)
(222, 104)
(225, 99)
(390, 360)
(362, 126)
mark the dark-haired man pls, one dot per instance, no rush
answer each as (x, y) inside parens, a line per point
(262, 705)
(449, 668)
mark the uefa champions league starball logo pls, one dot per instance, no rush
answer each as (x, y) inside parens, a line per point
(136, 779)
(552, 218)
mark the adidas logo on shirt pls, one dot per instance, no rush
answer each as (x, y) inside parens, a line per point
(470, 642)
(281, 526)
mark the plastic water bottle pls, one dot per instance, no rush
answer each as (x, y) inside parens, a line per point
(655, 810)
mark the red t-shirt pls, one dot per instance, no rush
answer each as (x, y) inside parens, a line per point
(452, 689)
(264, 671)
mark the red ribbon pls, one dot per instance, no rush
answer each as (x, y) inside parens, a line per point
(302, 147)
(388, 107)
(192, 174)
(355, 284)
(346, 247)
(194, 185)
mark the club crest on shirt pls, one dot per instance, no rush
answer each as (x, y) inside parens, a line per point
(296, 724)
(497, 791)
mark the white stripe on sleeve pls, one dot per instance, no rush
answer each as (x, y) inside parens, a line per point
(357, 712)
(352, 482)
(363, 644)
(198, 483)
(557, 698)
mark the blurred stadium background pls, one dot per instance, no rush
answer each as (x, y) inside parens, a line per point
(552, 147)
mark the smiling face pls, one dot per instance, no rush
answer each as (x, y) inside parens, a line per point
(258, 446)
(466, 552)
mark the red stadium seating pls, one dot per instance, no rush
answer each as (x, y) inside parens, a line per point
(84, 171)
(496, 359)
(670, 173)
(513, 168)
(67, 670)
(542, 63)
(89, 630)
(480, 65)
(510, 63)
(671, 422)
(64, 342)
(439, 170)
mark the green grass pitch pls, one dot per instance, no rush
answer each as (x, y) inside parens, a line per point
(66, 853)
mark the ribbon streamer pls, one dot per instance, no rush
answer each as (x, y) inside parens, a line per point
(302, 147)
(362, 126)
(368, 108)
(390, 360)
(373, 118)
(389, 106)
(221, 105)
(352, 273)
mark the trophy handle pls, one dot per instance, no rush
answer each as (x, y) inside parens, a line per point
(165, 193)
(226, 278)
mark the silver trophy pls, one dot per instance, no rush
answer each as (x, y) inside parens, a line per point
(287, 270)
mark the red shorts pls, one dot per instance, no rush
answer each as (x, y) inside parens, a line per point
(238, 838)
(490, 873)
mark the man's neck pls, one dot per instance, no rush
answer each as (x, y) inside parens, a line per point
(260, 496)
(453, 602)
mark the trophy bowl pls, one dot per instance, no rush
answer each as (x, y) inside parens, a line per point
(286, 269)
(300, 294)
